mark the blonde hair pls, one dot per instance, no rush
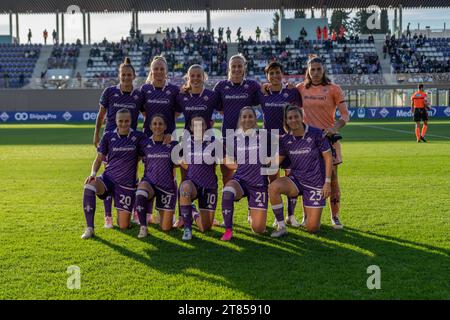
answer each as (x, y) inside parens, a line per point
(156, 59)
(240, 57)
(194, 66)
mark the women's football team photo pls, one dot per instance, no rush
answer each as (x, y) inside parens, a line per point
(304, 130)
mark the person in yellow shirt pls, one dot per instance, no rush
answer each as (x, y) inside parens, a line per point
(419, 107)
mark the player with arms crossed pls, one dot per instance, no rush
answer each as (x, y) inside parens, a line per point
(320, 98)
(309, 153)
(113, 99)
(248, 180)
(122, 147)
(419, 107)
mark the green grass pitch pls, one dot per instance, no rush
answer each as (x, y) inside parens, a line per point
(395, 208)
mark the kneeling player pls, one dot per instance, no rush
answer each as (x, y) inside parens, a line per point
(122, 147)
(200, 182)
(158, 181)
(248, 180)
(310, 157)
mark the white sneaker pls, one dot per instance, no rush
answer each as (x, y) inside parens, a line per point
(292, 221)
(143, 232)
(88, 233)
(279, 232)
(336, 223)
(187, 234)
(108, 222)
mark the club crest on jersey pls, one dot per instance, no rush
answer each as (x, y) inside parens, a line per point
(325, 90)
(168, 92)
(113, 139)
(185, 99)
(227, 87)
(245, 86)
(286, 95)
(133, 139)
(205, 98)
(149, 91)
(135, 97)
(309, 139)
(116, 94)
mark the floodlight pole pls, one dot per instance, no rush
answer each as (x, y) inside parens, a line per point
(394, 31)
(208, 18)
(136, 20)
(17, 28)
(400, 16)
(84, 27)
(62, 28)
(57, 26)
(89, 27)
(11, 24)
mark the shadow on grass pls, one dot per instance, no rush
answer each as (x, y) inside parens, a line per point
(330, 265)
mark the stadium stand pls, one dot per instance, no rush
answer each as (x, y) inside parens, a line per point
(420, 59)
(64, 56)
(17, 63)
(358, 59)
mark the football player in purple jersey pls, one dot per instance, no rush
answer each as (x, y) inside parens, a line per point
(235, 93)
(159, 95)
(197, 100)
(273, 102)
(113, 99)
(310, 158)
(158, 181)
(248, 180)
(122, 146)
(201, 180)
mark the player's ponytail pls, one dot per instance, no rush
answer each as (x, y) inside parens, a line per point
(127, 64)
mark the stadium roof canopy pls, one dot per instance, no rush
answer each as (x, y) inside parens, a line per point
(51, 6)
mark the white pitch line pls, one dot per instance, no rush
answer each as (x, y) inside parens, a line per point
(402, 131)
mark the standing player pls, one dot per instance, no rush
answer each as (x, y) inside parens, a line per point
(419, 106)
(122, 147)
(159, 96)
(273, 102)
(248, 180)
(158, 181)
(311, 164)
(320, 98)
(200, 182)
(235, 93)
(113, 99)
(196, 100)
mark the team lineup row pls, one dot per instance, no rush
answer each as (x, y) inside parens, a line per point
(303, 117)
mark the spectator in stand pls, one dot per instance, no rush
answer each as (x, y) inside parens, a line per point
(319, 33)
(325, 33)
(29, 36)
(371, 39)
(385, 48)
(6, 79)
(333, 36)
(45, 35)
(258, 33)
(303, 34)
(220, 34)
(238, 34)
(408, 31)
(55, 36)
(21, 80)
(342, 31)
(228, 32)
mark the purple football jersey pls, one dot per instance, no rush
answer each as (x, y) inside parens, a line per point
(305, 155)
(162, 101)
(158, 164)
(273, 105)
(123, 154)
(202, 104)
(200, 172)
(246, 155)
(113, 99)
(233, 97)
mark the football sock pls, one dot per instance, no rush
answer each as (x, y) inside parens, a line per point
(89, 204)
(424, 130)
(418, 133)
(186, 213)
(291, 206)
(278, 212)
(227, 208)
(108, 206)
(141, 206)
